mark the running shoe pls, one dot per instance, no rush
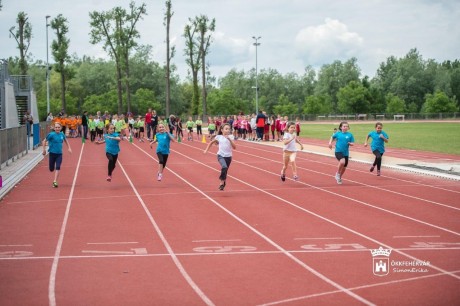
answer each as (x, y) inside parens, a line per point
(296, 178)
(372, 169)
(109, 178)
(221, 186)
(283, 177)
(159, 177)
(338, 179)
(378, 172)
(55, 184)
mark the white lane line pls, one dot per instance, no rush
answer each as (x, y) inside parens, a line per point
(173, 256)
(356, 200)
(412, 183)
(366, 185)
(324, 218)
(102, 243)
(319, 238)
(356, 288)
(429, 236)
(194, 254)
(218, 240)
(57, 253)
(275, 245)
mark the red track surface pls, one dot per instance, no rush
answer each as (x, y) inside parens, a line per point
(136, 241)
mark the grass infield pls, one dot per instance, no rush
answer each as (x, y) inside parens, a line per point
(443, 137)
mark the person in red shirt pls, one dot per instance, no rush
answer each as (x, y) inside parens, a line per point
(148, 123)
(260, 125)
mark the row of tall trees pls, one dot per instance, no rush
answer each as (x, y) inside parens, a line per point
(407, 84)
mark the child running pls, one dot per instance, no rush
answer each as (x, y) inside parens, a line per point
(163, 138)
(379, 137)
(224, 154)
(344, 141)
(112, 148)
(289, 150)
(55, 139)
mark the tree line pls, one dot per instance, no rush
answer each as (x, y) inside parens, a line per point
(131, 81)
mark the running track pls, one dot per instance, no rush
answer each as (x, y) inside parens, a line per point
(136, 241)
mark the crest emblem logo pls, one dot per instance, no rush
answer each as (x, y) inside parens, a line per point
(380, 261)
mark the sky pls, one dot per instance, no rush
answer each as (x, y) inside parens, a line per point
(293, 33)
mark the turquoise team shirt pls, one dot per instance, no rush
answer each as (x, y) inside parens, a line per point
(377, 142)
(112, 146)
(342, 142)
(163, 143)
(55, 141)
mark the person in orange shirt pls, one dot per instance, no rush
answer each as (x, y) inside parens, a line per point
(79, 127)
(65, 128)
(72, 123)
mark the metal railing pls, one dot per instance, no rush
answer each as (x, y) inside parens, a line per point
(13, 144)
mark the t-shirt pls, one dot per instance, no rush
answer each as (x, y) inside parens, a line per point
(112, 146)
(148, 118)
(342, 142)
(163, 143)
(55, 141)
(290, 146)
(377, 142)
(225, 147)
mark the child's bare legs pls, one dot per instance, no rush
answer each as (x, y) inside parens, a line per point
(342, 168)
(285, 165)
(56, 175)
(294, 168)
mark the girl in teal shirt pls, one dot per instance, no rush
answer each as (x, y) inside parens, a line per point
(379, 137)
(344, 140)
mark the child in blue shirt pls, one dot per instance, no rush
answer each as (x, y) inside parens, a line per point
(112, 148)
(344, 140)
(55, 139)
(163, 138)
(379, 137)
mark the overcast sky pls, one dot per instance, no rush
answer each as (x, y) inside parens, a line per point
(294, 33)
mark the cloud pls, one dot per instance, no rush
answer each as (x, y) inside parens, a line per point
(317, 45)
(228, 51)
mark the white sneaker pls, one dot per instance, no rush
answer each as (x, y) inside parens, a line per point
(338, 179)
(160, 176)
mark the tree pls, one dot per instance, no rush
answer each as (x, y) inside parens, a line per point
(170, 51)
(144, 99)
(193, 60)
(317, 105)
(60, 52)
(205, 28)
(395, 104)
(126, 33)
(439, 103)
(116, 30)
(353, 98)
(223, 102)
(335, 76)
(285, 106)
(23, 35)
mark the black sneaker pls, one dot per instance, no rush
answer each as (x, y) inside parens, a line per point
(221, 187)
(372, 169)
(283, 177)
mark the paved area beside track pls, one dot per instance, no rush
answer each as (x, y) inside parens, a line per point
(20, 167)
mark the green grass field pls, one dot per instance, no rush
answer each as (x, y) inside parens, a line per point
(440, 137)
